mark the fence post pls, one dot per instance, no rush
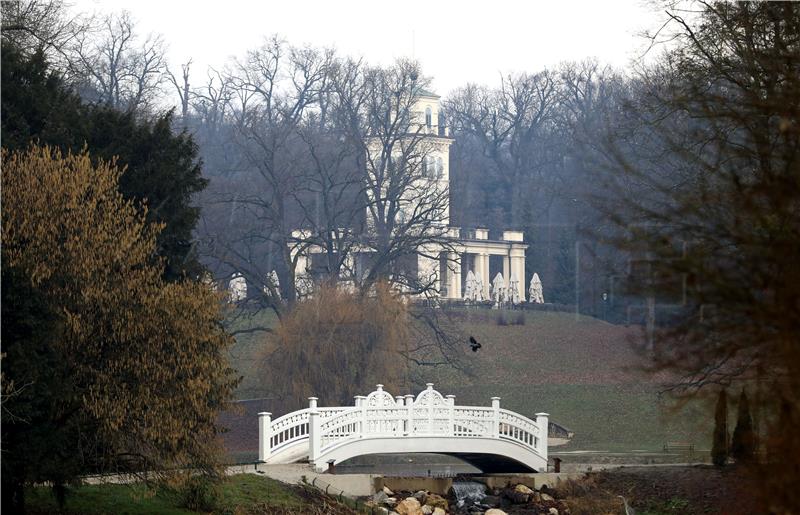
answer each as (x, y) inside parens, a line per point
(264, 435)
(410, 422)
(314, 438)
(496, 409)
(543, 421)
(430, 411)
(362, 420)
(451, 402)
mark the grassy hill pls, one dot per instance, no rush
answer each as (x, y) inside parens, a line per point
(581, 370)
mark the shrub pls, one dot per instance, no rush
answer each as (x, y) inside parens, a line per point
(719, 446)
(743, 442)
(200, 493)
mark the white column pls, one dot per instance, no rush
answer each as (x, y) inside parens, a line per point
(454, 263)
(543, 421)
(264, 435)
(496, 408)
(485, 274)
(518, 266)
(451, 402)
(314, 438)
(506, 268)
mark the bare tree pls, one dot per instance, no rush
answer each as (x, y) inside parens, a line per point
(47, 26)
(182, 88)
(113, 66)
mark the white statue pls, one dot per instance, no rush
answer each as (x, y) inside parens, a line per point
(535, 293)
(479, 297)
(498, 290)
(237, 288)
(272, 280)
(513, 289)
(469, 287)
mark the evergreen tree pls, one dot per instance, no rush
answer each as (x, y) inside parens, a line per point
(162, 170)
(719, 446)
(743, 442)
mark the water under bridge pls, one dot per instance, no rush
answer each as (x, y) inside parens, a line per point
(488, 437)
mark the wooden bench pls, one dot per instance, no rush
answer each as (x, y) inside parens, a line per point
(682, 447)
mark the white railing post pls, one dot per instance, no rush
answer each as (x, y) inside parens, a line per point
(430, 411)
(400, 425)
(264, 435)
(314, 438)
(451, 402)
(543, 421)
(410, 415)
(496, 417)
(363, 417)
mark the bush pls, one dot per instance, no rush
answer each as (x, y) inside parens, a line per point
(200, 493)
(719, 446)
(743, 443)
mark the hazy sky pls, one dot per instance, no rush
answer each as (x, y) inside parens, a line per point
(456, 42)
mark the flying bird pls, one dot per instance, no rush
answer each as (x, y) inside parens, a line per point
(474, 344)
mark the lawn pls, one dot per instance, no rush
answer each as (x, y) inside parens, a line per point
(583, 371)
(243, 491)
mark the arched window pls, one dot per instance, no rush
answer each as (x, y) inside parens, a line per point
(427, 167)
(439, 168)
(442, 123)
(428, 117)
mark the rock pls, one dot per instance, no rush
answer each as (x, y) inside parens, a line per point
(437, 501)
(379, 498)
(492, 500)
(421, 496)
(387, 491)
(547, 497)
(439, 511)
(523, 489)
(391, 501)
(553, 511)
(517, 497)
(495, 511)
(427, 509)
(409, 506)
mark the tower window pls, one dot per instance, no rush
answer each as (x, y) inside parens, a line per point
(428, 117)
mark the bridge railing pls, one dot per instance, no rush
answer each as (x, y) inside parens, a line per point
(379, 414)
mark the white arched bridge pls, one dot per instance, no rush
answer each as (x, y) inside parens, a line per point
(490, 438)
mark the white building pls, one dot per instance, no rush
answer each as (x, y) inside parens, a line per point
(467, 249)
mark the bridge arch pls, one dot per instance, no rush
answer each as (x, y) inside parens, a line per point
(491, 438)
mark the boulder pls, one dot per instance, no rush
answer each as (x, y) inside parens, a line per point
(409, 506)
(379, 498)
(427, 509)
(494, 511)
(387, 491)
(517, 497)
(553, 511)
(547, 497)
(439, 511)
(523, 489)
(421, 496)
(437, 501)
(391, 501)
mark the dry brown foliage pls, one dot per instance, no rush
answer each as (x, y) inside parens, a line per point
(339, 344)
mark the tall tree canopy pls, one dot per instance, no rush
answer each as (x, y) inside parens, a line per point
(163, 171)
(107, 366)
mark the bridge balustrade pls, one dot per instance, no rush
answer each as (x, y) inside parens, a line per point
(380, 415)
